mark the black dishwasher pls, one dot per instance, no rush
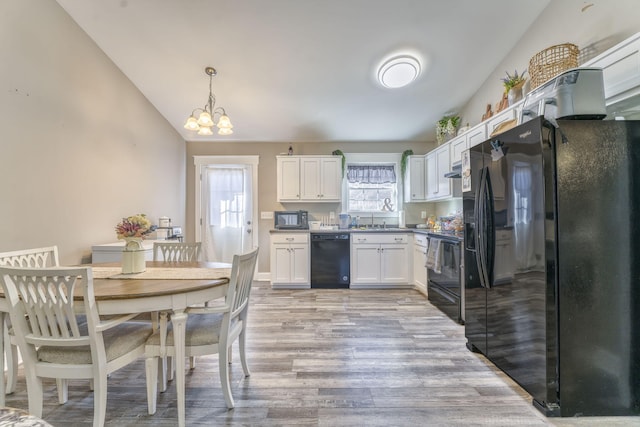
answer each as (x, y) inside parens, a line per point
(330, 265)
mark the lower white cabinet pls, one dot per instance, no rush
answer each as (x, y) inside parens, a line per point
(290, 260)
(420, 262)
(379, 260)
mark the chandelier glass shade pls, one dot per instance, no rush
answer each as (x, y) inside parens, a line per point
(203, 120)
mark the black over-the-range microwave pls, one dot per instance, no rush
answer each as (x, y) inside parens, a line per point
(291, 220)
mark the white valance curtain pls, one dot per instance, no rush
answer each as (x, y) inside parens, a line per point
(371, 174)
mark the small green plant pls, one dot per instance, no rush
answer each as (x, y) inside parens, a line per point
(344, 159)
(512, 80)
(403, 161)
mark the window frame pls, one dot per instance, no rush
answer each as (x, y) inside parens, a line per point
(373, 159)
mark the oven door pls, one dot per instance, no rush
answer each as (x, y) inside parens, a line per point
(445, 286)
(449, 275)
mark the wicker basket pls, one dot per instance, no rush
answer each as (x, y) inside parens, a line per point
(552, 61)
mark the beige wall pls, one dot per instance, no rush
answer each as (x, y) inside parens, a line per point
(267, 178)
(595, 30)
(80, 147)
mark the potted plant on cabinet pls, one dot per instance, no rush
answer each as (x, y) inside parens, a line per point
(513, 84)
(446, 128)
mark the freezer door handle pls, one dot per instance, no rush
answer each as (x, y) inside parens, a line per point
(490, 230)
(481, 232)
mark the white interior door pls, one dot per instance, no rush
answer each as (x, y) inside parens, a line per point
(226, 205)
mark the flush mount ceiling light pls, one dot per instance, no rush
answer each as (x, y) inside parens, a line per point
(207, 118)
(398, 71)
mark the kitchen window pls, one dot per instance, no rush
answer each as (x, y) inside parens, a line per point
(371, 188)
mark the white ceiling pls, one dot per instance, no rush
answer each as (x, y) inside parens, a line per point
(304, 70)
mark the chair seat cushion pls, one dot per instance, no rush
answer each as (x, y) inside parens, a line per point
(202, 329)
(118, 341)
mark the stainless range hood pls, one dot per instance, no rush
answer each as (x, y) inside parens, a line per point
(456, 170)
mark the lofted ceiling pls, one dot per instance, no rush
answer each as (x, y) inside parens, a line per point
(304, 70)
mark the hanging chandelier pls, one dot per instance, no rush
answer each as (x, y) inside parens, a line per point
(206, 118)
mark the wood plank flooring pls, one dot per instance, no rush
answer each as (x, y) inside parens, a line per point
(329, 357)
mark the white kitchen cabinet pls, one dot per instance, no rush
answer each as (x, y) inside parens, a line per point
(288, 178)
(379, 260)
(320, 178)
(438, 186)
(415, 179)
(456, 147)
(471, 138)
(309, 178)
(290, 260)
(620, 70)
(498, 119)
(476, 135)
(420, 262)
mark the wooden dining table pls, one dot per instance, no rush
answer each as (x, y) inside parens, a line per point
(163, 286)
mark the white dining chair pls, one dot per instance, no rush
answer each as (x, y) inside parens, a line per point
(210, 330)
(172, 252)
(176, 251)
(53, 341)
(34, 258)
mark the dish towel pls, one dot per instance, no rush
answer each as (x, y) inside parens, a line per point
(433, 255)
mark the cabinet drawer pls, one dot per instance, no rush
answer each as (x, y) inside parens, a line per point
(290, 238)
(378, 238)
(420, 239)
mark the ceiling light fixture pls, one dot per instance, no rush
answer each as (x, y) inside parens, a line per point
(206, 118)
(399, 71)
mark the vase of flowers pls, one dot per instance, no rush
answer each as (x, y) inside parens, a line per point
(513, 85)
(133, 230)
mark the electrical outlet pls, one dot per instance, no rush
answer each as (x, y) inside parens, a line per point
(266, 215)
(423, 214)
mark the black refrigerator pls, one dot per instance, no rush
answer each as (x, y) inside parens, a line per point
(552, 256)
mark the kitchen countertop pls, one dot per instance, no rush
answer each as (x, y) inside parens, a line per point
(447, 235)
(349, 230)
(443, 235)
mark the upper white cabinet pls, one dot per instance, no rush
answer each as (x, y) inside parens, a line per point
(503, 116)
(288, 178)
(438, 186)
(309, 178)
(620, 69)
(456, 147)
(415, 179)
(321, 178)
(475, 136)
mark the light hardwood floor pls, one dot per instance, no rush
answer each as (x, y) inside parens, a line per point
(329, 358)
